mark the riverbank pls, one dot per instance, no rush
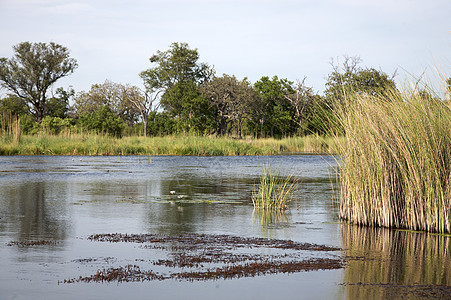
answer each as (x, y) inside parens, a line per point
(95, 144)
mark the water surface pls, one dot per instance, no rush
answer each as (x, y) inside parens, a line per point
(65, 199)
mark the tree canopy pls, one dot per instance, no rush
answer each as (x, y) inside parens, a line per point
(352, 78)
(33, 69)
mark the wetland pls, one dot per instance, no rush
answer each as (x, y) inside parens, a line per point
(103, 227)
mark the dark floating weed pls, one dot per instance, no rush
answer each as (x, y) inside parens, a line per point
(128, 273)
(200, 240)
(31, 243)
(212, 257)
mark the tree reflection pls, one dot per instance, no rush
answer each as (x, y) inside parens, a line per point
(36, 210)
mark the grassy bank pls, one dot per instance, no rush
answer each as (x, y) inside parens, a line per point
(396, 169)
(94, 144)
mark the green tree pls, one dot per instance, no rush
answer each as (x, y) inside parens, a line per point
(189, 107)
(178, 64)
(33, 69)
(219, 93)
(58, 105)
(118, 97)
(103, 120)
(13, 106)
(302, 100)
(177, 75)
(272, 111)
(351, 78)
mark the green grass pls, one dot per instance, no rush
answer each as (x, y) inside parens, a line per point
(396, 162)
(274, 190)
(96, 144)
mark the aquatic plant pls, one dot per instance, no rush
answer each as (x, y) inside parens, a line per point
(396, 161)
(274, 191)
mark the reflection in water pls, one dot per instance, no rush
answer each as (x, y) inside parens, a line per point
(383, 263)
(271, 217)
(37, 211)
(64, 200)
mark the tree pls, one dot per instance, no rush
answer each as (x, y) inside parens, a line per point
(185, 102)
(177, 75)
(178, 64)
(230, 100)
(103, 120)
(351, 79)
(33, 69)
(118, 97)
(302, 100)
(13, 106)
(58, 105)
(272, 110)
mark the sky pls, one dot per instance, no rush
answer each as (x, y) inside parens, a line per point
(113, 40)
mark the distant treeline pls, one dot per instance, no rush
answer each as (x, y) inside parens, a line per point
(180, 95)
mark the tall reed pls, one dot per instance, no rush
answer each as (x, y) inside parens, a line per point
(396, 161)
(273, 191)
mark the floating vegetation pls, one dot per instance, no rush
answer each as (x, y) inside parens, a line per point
(31, 243)
(202, 240)
(212, 257)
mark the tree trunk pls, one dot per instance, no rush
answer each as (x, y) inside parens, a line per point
(144, 116)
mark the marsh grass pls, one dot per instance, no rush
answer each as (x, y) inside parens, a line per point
(274, 190)
(396, 161)
(12, 142)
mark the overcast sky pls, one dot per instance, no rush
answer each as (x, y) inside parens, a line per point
(293, 39)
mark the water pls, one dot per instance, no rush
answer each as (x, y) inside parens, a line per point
(64, 200)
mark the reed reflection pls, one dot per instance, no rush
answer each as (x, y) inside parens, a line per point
(391, 264)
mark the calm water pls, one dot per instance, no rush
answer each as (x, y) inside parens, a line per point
(66, 199)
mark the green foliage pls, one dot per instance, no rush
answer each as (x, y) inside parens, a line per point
(58, 106)
(118, 97)
(178, 64)
(356, 80)
(273, 112)
(14, 106)
(33, 69)
(103, 120)
(161, 123)
(179, 74)
(230, 101)
(55, 125)
(185, 102)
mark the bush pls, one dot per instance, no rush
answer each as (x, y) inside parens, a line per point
(103, 120)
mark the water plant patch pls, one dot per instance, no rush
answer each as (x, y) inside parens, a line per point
(200, 257)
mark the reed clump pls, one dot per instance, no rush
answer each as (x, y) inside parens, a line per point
(396, 161)
(274, 191)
